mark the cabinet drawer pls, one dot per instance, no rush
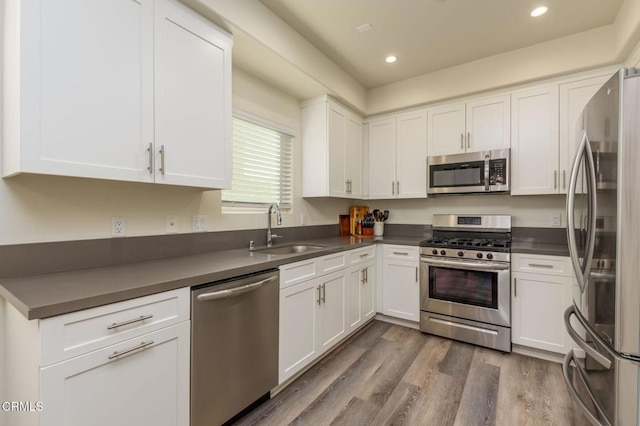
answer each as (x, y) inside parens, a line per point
(401, 252)
(550, 265)
(332, 262)
(362, 255)
(77, 333)
(297, 272)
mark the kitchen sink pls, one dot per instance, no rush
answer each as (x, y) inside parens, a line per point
(289, 249)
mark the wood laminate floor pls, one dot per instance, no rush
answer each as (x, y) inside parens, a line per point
(388, 374)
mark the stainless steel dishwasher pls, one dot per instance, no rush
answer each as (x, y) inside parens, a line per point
(234, 345)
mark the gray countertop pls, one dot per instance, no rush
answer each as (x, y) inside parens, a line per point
(47, 295)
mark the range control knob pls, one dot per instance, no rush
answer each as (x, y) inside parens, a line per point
(489, 256)
(460, 253)
(479, 255)
(434, 251)
(442, 252)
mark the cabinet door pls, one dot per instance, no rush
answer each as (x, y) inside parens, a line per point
(337, 123)
(538, 303)
(534, 147)
(401, 289)
(488, 124)
(382, 158)
(297, 343)
(148, 386)
(411, 151)
(353, 155)
(82, 98)
(193, 99)
(332, 324)
(355, 284)
(574, 97)
(368, 292)
(446, 129)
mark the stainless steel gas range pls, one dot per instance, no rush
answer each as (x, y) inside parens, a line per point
(465, 269)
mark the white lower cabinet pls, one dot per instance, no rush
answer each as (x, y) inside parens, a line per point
(541, 291)
(321, 309)
(401, 282)
(148, 385)
(127, 363)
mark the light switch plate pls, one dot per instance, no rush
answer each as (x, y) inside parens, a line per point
(199, 223)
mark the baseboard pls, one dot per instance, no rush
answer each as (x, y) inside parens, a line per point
(538, 353)
(398, 321)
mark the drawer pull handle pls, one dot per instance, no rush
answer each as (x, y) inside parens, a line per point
(362, 256)
(131, 321)
(142, 345)
(399, 253)
(540, 265)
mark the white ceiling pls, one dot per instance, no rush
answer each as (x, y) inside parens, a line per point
(430, 35)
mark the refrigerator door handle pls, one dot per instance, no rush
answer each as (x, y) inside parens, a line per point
(601, 359)
(582, 271)
(595, 421)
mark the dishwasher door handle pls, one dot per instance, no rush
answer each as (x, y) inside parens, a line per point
(234, 291)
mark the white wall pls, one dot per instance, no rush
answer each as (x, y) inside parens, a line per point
(36, 208)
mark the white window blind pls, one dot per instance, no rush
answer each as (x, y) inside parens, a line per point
(262, 170)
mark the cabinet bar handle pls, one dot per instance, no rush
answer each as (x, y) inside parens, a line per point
(399, 253)
(393, 188)
(468, 140)
(319, 293)
(150, 151)
(131, 321)
(416, 274)
(366, 274)
(324, 293)
(397, 187)
(564, 179)
(515, 287)
(161, 159)
(362, 280)
(555, 179)
(461, 140)
(142, 345)
(540, 265)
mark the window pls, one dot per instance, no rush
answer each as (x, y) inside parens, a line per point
(261, 167)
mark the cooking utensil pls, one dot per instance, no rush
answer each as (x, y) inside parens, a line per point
(385, 215)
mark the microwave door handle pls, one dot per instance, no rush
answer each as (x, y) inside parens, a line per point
(487, 159)
(571, 195)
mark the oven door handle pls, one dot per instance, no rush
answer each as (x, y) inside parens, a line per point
(485, 266)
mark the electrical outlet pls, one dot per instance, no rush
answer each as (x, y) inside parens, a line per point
(556, 219)
(199, 223)
(303, 218)
(118, 226)
(172, 225)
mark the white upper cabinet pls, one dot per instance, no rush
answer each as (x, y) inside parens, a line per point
(80, 97)
(574, 97)
(477, 125)
(398, 156)
(331, 150)
(193, 99)
(534, 148)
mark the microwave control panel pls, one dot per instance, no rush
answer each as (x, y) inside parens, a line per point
(498, 171)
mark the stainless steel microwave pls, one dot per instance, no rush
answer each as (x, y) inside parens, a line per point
(474, 172)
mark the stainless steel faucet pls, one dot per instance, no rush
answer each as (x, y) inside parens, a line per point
(270, 236)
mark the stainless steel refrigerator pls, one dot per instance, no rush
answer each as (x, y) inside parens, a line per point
(603, 231)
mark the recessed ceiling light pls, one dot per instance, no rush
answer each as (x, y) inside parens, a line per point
(391, 59)
(539, 11)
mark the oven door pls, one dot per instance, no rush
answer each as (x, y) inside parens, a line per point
(478, 291)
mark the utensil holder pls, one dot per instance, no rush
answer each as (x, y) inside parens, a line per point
(378, 229)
